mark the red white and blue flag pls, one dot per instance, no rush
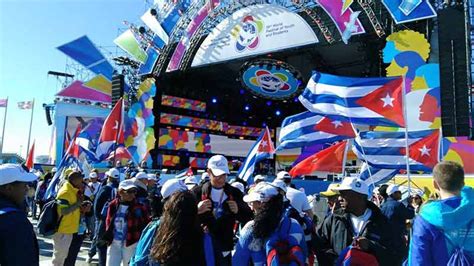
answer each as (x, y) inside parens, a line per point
(307, 129)
(367, 101)
(386, 150)
(262, 149)
(328, 160)
(112, 133)
(4, 102)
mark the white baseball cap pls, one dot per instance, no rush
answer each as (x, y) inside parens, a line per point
(152, 177)
(262, 192)
(141, 175)
(218, 165)
(238, 186)
(10, 173)
(353, 183)
(93, 175)
(259, 177)
(283, 175)
(171, 186)
(279, 184)
(190, 180)
(392, 188)
(127, 184)
(205, 176)
(113, 172)
(138, 183)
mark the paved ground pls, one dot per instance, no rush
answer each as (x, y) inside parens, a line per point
(46, 250)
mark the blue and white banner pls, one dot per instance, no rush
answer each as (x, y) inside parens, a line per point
(375, 176)
(386, 150)
(367, 101)
(301, 130)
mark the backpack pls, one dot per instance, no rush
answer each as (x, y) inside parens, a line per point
(282, 249)
(103, 212)
(459, 257)
(352, 256)
(49, 219)
(142, 251)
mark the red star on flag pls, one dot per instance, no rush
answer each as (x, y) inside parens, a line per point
(335, 127)
(386, 101)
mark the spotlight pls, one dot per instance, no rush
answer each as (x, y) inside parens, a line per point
(214, 100)
(247, 108)
(142, 30)
(277, 112)
(242, 91)
(153, 12)
(295, 100)
(269, 103)
(244, 123)
(264, 124)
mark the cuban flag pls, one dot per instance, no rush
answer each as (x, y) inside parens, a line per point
(262, 149)
(386, 150)
(367, 101)
(112, 132)
(306, 129)
(375, 176)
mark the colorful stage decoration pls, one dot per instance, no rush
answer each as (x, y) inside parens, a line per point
(256, 29)
(79, 91)
(183, 103)
(406, 52)
(129, 43)
(403, 11)
(139, 121)
(207, 124)
(344, 18)
(271, 79)
(83, 51)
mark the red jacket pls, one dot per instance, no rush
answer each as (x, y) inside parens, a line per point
(137, 218)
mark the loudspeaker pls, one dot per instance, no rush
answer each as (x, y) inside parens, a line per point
(454, 60)
(118, 85)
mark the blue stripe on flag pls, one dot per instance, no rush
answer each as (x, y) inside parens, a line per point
(330, 98)
(349, 81)
(394, 135)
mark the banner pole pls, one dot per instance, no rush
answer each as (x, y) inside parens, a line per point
(3, 130)
(344, 160)
(31, 124)
(407, 151)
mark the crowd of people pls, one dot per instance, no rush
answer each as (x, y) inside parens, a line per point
(216, 221)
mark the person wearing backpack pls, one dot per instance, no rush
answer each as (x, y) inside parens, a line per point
(358, 224)
(69, 207)
(445, 227)
(142, 253)
(272, 238)
(18, 243)
(190, 244)
(106, 194)
(41, 190)
(126, 219)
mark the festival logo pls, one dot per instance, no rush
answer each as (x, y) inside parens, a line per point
(271, 79)
(247, 33)
(270, 82)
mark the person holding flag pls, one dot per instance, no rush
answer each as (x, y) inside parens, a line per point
(220, 206)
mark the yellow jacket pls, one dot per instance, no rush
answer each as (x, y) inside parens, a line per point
(66, 197)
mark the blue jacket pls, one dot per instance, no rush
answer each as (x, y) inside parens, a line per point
(18, 244)
(249, 249)
(438, 220)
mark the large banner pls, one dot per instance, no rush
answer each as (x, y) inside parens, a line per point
(253, 30)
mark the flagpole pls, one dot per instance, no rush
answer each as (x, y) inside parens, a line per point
(348, 142)
(118, 131)
(31, 124)
(3, 130)
(407, 151)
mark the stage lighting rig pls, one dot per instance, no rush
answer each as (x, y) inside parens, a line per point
(125, 61)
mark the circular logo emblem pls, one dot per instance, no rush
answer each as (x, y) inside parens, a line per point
(271, 79)
(247, 33)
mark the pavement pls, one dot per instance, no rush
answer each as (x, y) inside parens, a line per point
(46, 250)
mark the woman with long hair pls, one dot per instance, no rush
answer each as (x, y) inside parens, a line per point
(180, 240)
(270, 228)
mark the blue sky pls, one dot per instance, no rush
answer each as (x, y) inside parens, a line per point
(30, 31)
